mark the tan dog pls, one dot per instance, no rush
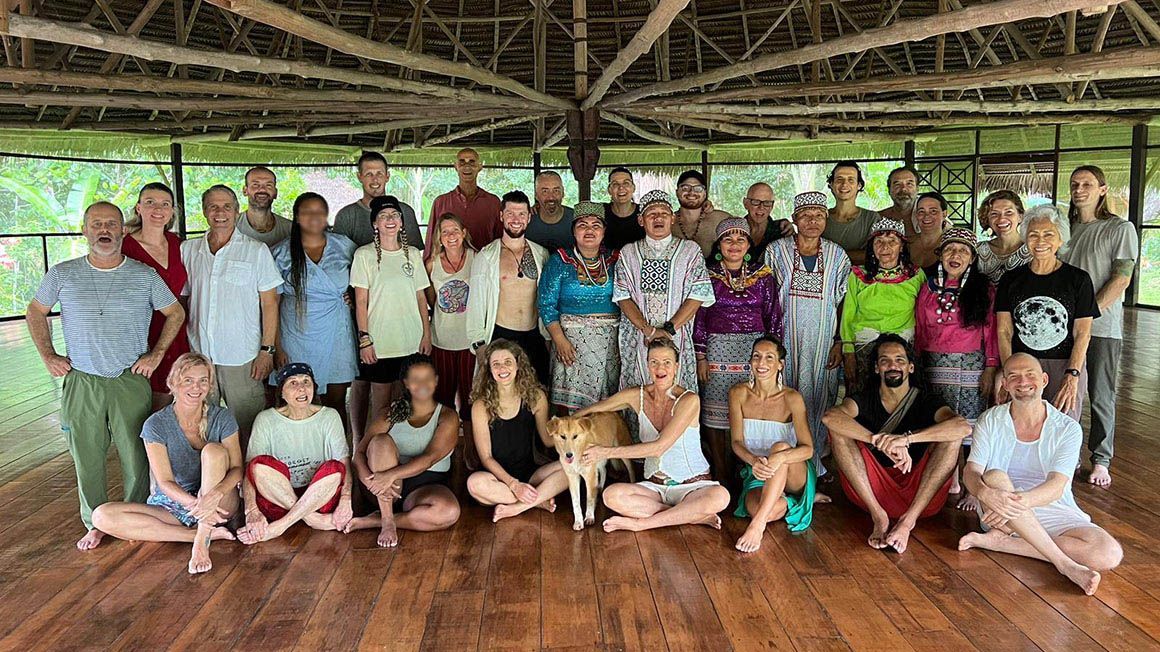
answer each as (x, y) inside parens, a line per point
(572, 436)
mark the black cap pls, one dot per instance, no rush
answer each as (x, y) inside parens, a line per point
(692, 174)
(378, 204)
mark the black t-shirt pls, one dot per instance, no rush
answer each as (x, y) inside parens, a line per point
(619, 231)
(872, 416)
(1044, 308)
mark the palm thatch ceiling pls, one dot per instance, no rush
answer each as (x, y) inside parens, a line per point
(394, 74)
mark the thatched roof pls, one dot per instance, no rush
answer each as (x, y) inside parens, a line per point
(682, 73)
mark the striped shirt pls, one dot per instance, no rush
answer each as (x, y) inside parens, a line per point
(105, 313)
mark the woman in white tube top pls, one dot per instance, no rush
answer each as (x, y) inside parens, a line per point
(677, 488)
(771, 434)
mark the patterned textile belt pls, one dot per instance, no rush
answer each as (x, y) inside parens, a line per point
(670, 483)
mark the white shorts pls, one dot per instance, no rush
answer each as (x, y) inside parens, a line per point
(671, 494)
(1057, 518)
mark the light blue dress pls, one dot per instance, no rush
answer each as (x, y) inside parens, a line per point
(324, 335)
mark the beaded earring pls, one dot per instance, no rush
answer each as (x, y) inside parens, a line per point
(747, 258)
(717, 256)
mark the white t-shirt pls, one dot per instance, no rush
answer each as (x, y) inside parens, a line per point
(225, 312)
(393, 318)
(302, 445)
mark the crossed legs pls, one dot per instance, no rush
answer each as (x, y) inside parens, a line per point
(275, 487)
(767, 503)
(641, 508)
(549, 480)
(1078, 553)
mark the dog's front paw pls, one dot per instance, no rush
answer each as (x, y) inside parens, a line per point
(577, 525)
(590, 519)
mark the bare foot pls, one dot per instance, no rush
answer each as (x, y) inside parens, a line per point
(221, 533)
(91, 540)
(388, 534)
(822, 499)
(956, 487)
(615, 523)
(505, 511)
(549, 506)
(877, 538)
(751, 540)
(199, 561)
(712, 520)
(899, 536)
(968, 503)
(1084, 577)
(367, 522)
(319, 521)
(1100, 476)
(985, 540)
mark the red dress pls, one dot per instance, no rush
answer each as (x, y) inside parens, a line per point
(175, 277)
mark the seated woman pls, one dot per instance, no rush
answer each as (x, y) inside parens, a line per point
(508, 409)
(406, 458)
(677, 489)
(771, 434)
(195, 463)
(297, 463)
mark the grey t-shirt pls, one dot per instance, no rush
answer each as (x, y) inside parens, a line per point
(280, 232)
(354, 221)
(105, 313)
(851, 235)
(161, 428)
(553, 236)
(1093, 248)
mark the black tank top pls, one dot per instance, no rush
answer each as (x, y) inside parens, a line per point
(511, 443)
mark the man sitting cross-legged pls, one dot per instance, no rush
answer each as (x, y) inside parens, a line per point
(1020, 468)
(896, 445)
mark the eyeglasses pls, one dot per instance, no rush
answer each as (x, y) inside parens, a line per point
(621, 184)
(757, 202)
(689, 188)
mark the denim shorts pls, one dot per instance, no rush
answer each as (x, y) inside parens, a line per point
(173, 507)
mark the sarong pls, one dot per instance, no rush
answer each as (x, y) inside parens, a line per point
(956, 378)
(728, 357)
(895, 491)
(595, 375)
(800, 511)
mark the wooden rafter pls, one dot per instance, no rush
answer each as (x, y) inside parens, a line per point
(655, 25)
(907, 106)
(648, 135)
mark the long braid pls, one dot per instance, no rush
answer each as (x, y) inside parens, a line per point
(403, 244)
(203, 424)
(378, 249)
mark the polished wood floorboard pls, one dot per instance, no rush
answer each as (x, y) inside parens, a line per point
(532, 583)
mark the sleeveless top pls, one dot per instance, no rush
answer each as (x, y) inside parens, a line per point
(760, 435)
(511, 443)
(449, 328)
(412, 441)
(683, 460)
(175, 277)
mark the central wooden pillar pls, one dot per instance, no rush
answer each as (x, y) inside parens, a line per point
(583, 154)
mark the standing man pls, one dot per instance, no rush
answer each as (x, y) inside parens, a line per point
(505, 275)
(259, 221)
(106, 304)
(621, 215)
(233, 307)
(476, 207)
(696, 219)
(354, 220)
(1104, 246)
(849, 224)
(758, 206)
(551, 225)
(661, 281)
(903, 186)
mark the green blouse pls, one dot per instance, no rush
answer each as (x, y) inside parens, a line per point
(884, 303)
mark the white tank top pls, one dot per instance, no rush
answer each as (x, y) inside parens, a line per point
(683, 460)
(760, 436)
(449, 328)
(412, 441)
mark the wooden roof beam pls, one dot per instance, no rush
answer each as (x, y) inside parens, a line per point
(907, 106)
(333, 130)
(1133, 9)
(471, 131)
(305, 27)
(992, 13)
(648, 135)
(657, 22)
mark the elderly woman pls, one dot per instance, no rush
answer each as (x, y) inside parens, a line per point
(151, 242)
(880, 298)
(930, 220)
(1002, 212)
(575, 304)
(314, 324)
(1045, 308)
(811, 277)
(195, 464)
(298, 463)
(745, 308)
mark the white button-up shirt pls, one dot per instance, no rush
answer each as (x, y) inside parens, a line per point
(225, 311)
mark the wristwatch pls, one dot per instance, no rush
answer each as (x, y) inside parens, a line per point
(669, 328)
(1072, 372)
(267, 349)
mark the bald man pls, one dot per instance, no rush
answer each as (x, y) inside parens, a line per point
(759, 204)
(478, 208)
(1021, 464)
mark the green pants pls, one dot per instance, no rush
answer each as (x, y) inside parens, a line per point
(95, 411)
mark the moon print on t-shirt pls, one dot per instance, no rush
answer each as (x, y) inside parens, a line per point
(1041, 322)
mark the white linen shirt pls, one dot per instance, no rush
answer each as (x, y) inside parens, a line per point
(225, 311)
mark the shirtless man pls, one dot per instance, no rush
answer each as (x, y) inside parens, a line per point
(696, 219)
(1020, 468)
(504, 278)
(895, 466)
(903, 186)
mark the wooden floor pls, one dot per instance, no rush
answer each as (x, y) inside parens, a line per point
(531, 582)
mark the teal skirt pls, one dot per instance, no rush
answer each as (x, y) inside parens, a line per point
(800, 513)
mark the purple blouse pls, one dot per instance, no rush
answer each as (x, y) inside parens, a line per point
(751, 309)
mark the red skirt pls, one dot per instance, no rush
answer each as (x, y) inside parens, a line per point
(894, 490)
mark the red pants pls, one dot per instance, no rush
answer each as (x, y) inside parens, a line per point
(895, 491)
(456, 370)
(273, 511)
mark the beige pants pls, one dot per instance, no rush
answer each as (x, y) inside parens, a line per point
(244, 396)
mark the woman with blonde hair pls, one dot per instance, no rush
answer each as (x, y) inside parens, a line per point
(1002, 212)
(195, 464)
(151, 241)
(449, 267)
(508, 410)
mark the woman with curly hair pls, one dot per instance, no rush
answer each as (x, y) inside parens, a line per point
(1002, 212)
(405, 459)
(509, 409)
(880, 298)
